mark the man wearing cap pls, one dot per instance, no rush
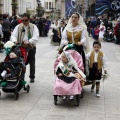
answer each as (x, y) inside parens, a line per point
(27, 34)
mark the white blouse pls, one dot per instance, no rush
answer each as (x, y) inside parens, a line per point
(72, 29)
(95, 59)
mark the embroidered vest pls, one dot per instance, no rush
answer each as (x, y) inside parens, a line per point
(99, 59)
(74, 37)
(21, 31)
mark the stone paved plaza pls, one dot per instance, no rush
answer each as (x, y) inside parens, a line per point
(38, 104)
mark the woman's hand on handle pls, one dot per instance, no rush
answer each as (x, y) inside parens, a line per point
(26, 42)
(80, 43)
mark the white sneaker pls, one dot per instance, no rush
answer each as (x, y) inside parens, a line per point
(71, 97)
(64, 97)
(98, 95)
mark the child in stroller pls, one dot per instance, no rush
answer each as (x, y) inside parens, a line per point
(12, 66)
(12, 70)
(69, 77)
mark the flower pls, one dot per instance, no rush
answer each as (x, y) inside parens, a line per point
(105, 76)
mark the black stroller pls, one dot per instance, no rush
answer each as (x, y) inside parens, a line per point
(14, 83)
(109, 35)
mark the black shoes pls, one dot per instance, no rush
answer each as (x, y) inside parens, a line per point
(32, 80)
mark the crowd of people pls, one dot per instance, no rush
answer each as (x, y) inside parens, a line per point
(72, 33)
(104, 29)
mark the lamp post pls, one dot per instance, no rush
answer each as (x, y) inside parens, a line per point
(38, 9)
(14, 6)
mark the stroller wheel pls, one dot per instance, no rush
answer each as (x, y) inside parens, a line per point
(27, 88)
(77, 100)
(82, 93)
(16, 95)
(55, 99)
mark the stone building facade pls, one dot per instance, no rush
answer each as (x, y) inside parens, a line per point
(83, 7)
(12, 7)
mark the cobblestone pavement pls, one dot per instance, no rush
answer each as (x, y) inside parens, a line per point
(38, 104)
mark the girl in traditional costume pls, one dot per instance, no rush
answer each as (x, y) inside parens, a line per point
(102, 31)
(96, 63)
(67, 71)
(76, 33)
(54, 35)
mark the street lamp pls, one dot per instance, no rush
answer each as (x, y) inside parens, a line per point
(38, 9)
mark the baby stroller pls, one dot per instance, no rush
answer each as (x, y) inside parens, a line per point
(64, 89)
(109, 35)
(14, 83)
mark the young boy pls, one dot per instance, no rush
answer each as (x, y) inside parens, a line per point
(96, 62)
(11, 68)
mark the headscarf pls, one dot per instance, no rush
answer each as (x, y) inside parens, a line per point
(73, 62)
(81, 26)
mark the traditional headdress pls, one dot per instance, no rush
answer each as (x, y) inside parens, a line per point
(81, 26)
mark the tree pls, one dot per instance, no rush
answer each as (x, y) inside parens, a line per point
(40, 10)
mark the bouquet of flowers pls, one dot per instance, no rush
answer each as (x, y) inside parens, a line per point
(105, 76)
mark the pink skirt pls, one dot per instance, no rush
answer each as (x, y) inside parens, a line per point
(63, 88)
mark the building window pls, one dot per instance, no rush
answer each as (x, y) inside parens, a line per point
(46, 5)
(50, 5)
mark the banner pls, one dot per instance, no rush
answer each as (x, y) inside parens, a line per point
(70, 7)
(103, 6)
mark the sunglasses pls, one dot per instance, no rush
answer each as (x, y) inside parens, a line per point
(24, 20)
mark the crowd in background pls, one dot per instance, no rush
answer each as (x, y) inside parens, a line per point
(99, 28)
(7, 25)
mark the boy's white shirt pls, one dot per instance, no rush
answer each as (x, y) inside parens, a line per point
(95, 59)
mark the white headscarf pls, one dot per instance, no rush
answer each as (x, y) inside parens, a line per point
(55, 26)
(73, 62)
(81, 26)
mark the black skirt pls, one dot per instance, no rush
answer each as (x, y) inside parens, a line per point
(67, 79)
(94, 73)
(80, 50)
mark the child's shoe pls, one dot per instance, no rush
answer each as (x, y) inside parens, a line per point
(71, 97)
(3, 84)
(64, 97)
(23, 82)
(98, 95)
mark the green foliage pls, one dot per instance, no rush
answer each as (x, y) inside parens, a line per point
(30, 12)
(105, 76)
(14, 4)
(40, 11)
